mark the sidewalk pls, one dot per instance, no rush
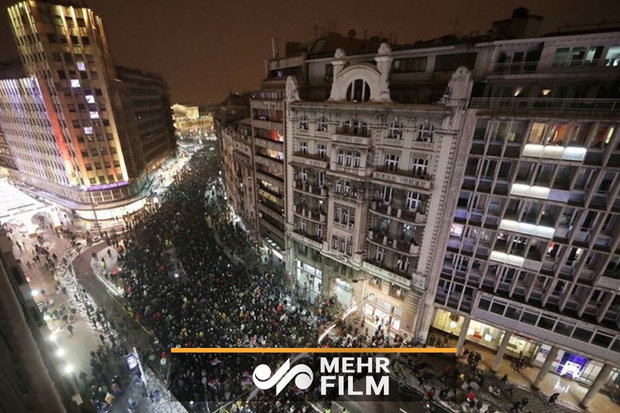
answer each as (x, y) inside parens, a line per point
(74, 348)
(570, 391)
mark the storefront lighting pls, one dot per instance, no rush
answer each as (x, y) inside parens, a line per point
(453, 324)
(34, 293)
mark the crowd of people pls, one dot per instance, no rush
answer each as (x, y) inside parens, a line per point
(190, 275)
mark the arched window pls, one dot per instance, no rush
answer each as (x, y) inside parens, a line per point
(358, 91)
(321, 124)
(396, 130)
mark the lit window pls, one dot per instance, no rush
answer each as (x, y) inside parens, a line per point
(75, 83)
(90, 99)
(81, 66)
(88, 130)
(94, 114)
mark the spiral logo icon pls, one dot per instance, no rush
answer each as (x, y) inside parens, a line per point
(302, 374)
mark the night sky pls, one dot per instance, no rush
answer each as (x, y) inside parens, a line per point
(205, 48)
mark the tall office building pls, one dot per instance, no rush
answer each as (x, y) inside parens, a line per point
(531, 266)
(83, 132)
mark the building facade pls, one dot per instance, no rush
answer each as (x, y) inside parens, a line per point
(368, 182)
(82, 132)
(531, 264)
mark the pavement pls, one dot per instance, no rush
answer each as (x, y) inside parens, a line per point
(73, 345)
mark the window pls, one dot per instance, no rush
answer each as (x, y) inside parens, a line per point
(321, 123)
(397, 291)
(75, 83)
(303, 147)
(355, 127)
(612, 59)
(357, 160)
(425, 132)
(380, 256)
(451, 62)
(56, 56)
(321, 179)
(386, 195)
(322, 151)
(339, 157)
(303, 173)
(81, 66)
(347, 187)
(303, 123)
(396, 130)
(90, 99)
(94, 115)
(420, 166)
(403, 263)
(88, 130)
(81, 22)
(51, 37)
(348, 158)
(410, 64)
(391, 162)
(62, 74)
(85, 40)
(358, 91)
(413, 201)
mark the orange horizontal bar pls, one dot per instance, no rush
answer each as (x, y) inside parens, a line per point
(449, 350)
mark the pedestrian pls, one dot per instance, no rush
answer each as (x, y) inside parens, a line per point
(524, 402)
(552, 399)
(70, 328)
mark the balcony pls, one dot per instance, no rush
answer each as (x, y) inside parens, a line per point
(269, 143)
(268, 162)
(304, 237)
(350, 196)
(402, 177)
(397, 245)
(352, 136)
(406, 215)
(272, 179)
(268, 124)
(384, 271)
(312, 189)
(394, 142)
(313, 214)
(554, 104)
(311, 160)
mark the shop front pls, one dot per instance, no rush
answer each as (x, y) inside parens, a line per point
(573, 366)
(484, 334)
(383, 313)
(578, 367)
(309, 279)
(343, 292)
